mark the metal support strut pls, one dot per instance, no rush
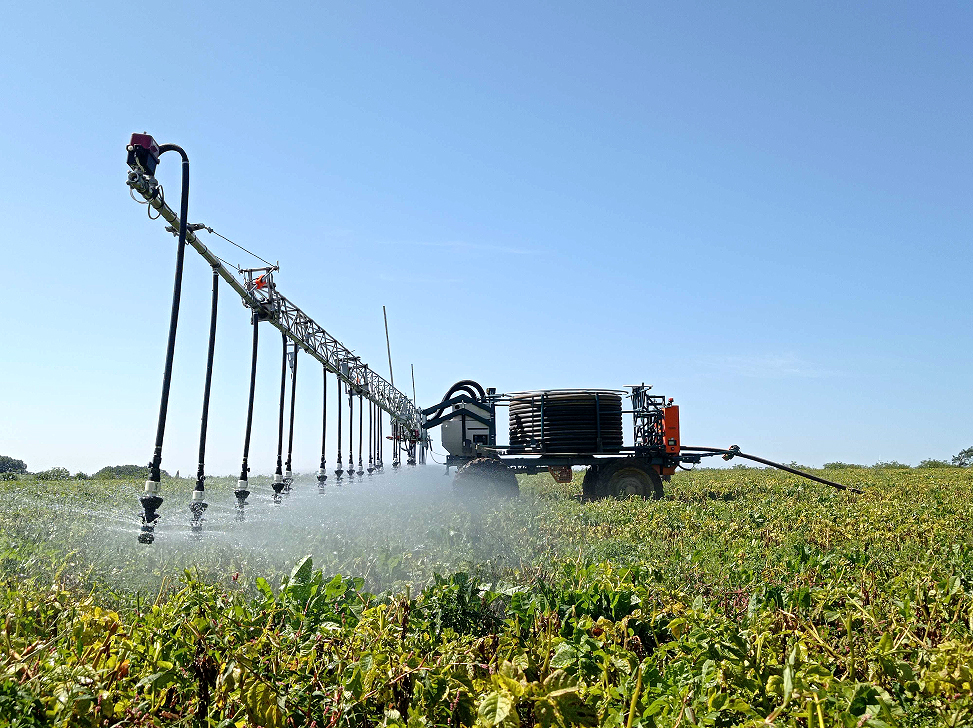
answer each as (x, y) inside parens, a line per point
(151, 500)
(198, 503)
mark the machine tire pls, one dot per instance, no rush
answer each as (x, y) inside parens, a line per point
(589, 485)
(622, 478)
(485, 476)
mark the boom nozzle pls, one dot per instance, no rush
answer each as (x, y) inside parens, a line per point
(151, 501)
(197, 507)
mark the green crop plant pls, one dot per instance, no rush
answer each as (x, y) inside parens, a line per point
(745, 597)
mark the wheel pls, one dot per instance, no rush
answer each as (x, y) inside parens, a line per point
(589, 485)
(622, 478)
(485, 476)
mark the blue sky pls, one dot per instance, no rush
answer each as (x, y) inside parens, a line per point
(763, 209)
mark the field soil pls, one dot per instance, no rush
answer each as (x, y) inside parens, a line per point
(744, 597)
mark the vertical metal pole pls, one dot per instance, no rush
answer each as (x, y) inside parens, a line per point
(198, 503)
(242, 490)
(151, 500)
(351, 432)
(413, 367)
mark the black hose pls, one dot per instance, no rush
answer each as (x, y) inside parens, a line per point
(379, 441)
(468, 386)
(290, 428)
(241, 491)
(151, 500)
(338, 471)
(361, 417)
(771, 463)
(198, 506)
(278, 473)
(322, 474)
(371, 437)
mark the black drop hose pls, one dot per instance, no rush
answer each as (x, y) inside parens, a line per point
(351, 432)
(290, 431)
(198, 505)
(361, 417)
(151, 500)
(204, 420)
(322, 474)
(338, 471)
(278, 473)
(241, 492)
(771, 463)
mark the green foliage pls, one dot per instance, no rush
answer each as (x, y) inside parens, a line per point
(12, 465)
(123, 472)
(935, 464)
(892, 464)
(841, 466)
(55, 473)
(964, 458)
(745, 597)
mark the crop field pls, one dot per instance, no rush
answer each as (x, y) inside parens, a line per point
(745, 597)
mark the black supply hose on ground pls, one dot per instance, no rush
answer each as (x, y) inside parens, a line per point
(734, 451)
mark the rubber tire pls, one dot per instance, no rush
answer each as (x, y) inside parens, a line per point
(485, 476)
(622, 478)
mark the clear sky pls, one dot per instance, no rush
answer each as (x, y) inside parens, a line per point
(761, 208)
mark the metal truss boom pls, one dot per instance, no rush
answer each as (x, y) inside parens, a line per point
(268, 304)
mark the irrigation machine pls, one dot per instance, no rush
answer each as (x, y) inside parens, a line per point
(553, 430)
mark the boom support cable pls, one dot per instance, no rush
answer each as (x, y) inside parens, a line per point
(151, 500)
(198, 503)
(242, 487)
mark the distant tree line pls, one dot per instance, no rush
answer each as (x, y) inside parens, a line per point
(11, 468)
